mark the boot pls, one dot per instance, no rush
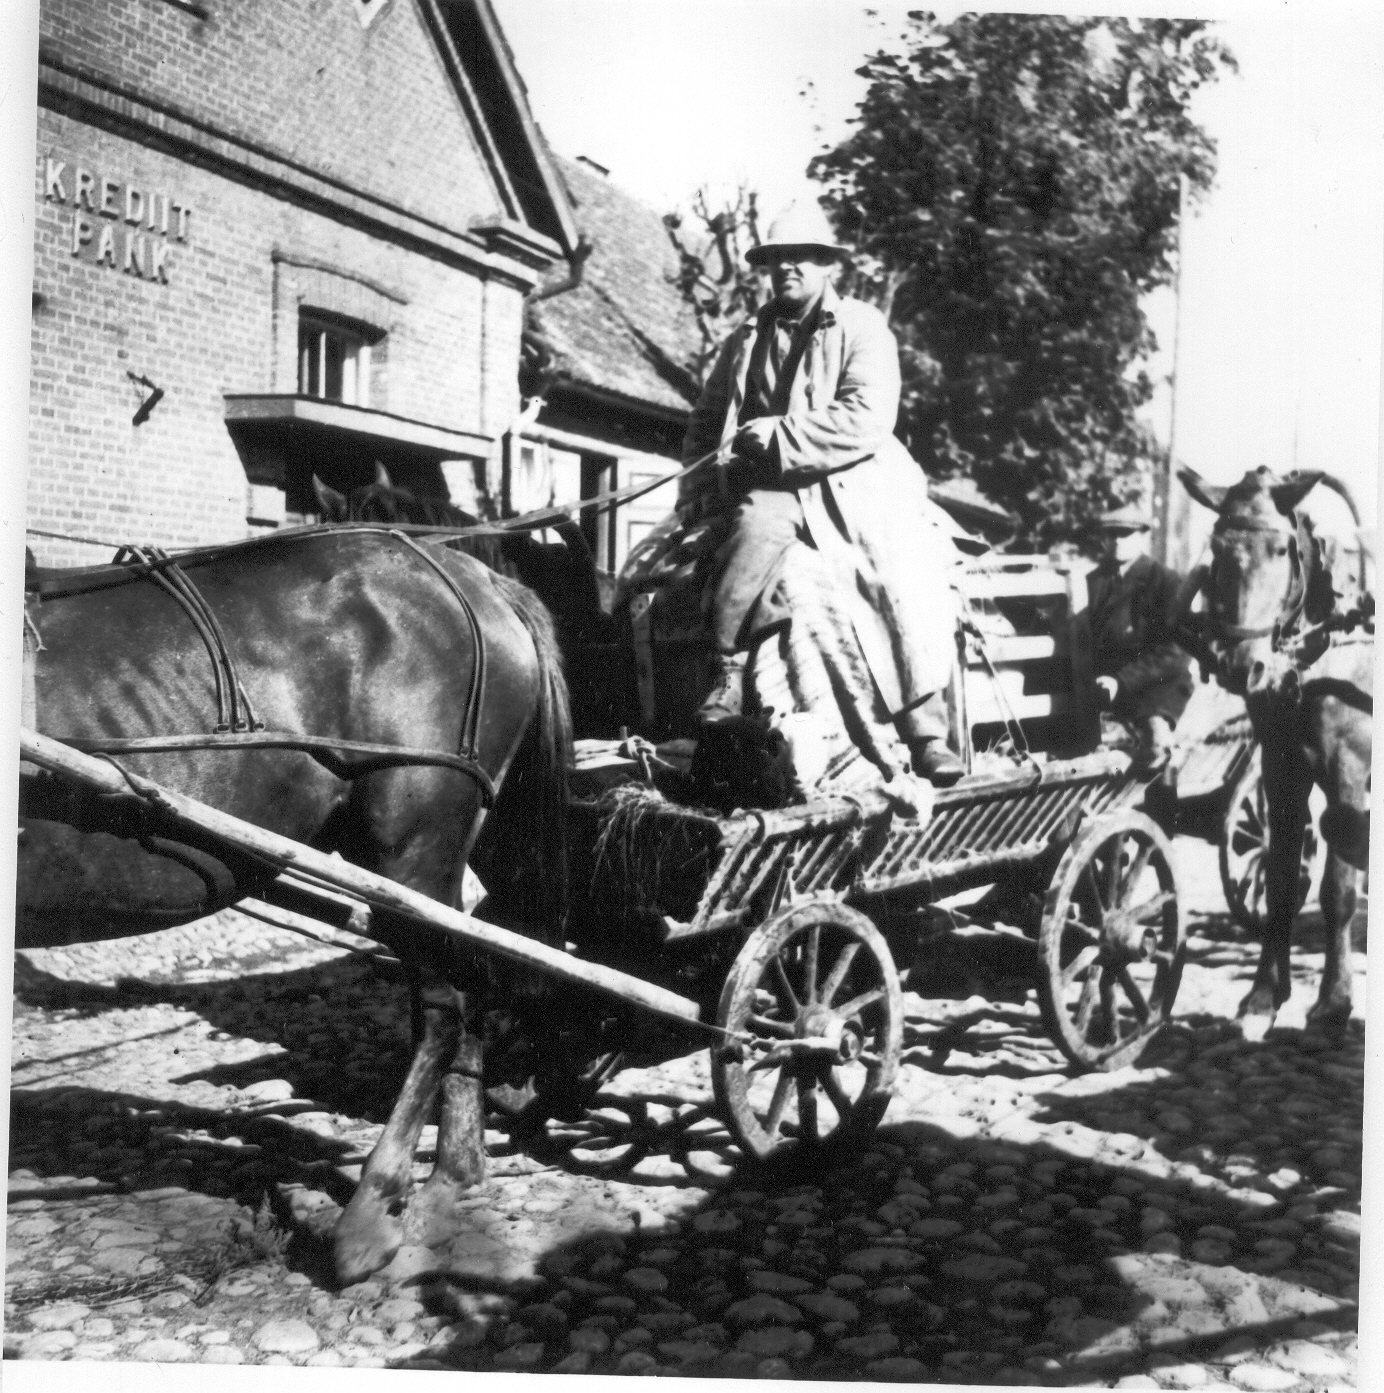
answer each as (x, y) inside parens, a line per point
(1153, 746)
(727, 696)
(935, 760)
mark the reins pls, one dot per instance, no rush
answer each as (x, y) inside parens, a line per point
(325, 750)
(236, 727)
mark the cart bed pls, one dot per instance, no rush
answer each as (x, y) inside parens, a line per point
(683, 873)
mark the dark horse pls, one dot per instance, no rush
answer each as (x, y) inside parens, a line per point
(1272, 621)
(351, 634)
(595, 647)
(563, 573)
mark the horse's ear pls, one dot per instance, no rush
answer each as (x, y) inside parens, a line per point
(1208, 495)
(382, 475)
(333, 504)
(1296, 487)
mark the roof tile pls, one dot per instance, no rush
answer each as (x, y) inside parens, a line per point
(625, 328)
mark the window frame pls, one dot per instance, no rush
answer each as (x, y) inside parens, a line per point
(355, 343)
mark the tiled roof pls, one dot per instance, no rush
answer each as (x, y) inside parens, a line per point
(625, 329)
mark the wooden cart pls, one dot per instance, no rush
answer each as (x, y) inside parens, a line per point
(774, 934)
(787, 926)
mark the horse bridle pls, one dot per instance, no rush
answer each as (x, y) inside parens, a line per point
(237, 731)
(1293, 601)
(1287, 635)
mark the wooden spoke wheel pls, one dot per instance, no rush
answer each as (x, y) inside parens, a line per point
(1244, 849)
(1111, 944)
(816, 1011)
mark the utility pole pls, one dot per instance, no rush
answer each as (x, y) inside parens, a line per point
(1170, 541)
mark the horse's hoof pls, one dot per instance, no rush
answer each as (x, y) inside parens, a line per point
(433, 1218)
(354, 1262)
(1329, 1021)
(366, 1239)
(1254, 1027)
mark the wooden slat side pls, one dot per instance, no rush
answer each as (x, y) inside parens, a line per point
(1016, 648)
(1000, 586)
(986, 709)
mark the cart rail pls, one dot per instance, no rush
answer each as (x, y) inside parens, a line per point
(853, 848)
(983, 826)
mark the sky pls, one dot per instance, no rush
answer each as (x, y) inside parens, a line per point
(1282, 290)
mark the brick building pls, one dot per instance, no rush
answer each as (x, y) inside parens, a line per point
(273, 239)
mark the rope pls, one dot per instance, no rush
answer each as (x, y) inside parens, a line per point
(534, 521)
(72, 537)
(1012, 725)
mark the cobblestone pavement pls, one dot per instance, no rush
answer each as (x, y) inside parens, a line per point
(181, 1139)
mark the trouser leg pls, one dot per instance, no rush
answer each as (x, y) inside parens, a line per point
(765, 523)
(1153, 747)
(925, 728)
(925, 720)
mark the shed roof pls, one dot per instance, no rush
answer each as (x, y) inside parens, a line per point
(625, 329)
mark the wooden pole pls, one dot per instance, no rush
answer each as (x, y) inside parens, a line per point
(103, 776)
(1170, 507)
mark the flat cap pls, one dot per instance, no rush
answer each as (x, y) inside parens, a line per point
(1130, 518)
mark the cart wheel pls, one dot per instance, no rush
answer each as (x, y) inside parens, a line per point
(816, 1009)
(1244, 843)
(1111, 945)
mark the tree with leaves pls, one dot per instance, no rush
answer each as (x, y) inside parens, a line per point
(1012, 190)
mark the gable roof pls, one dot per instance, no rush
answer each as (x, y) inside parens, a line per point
(482, 66)
(625, 329)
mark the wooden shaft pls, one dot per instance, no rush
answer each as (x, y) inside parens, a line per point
(103, 776)
(292, 922)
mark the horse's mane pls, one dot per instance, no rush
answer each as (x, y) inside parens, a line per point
(380, 502)
(387, 503)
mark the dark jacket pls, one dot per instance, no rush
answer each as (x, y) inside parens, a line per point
(1131, 642)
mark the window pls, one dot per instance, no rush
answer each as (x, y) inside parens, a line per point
(333, 361)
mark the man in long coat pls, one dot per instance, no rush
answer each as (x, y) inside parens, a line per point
(803, 400)
(1144, 678)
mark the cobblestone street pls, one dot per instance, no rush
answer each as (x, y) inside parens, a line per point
(182, 1136)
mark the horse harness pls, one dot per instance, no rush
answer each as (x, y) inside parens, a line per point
(1302, 643)
(236, 727)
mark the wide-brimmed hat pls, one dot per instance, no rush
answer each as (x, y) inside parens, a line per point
(799, 225)
(1130, 518)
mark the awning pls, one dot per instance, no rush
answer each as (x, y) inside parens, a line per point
(267, 426)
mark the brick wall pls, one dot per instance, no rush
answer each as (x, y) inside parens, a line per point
(216, 313)
(372, 107)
